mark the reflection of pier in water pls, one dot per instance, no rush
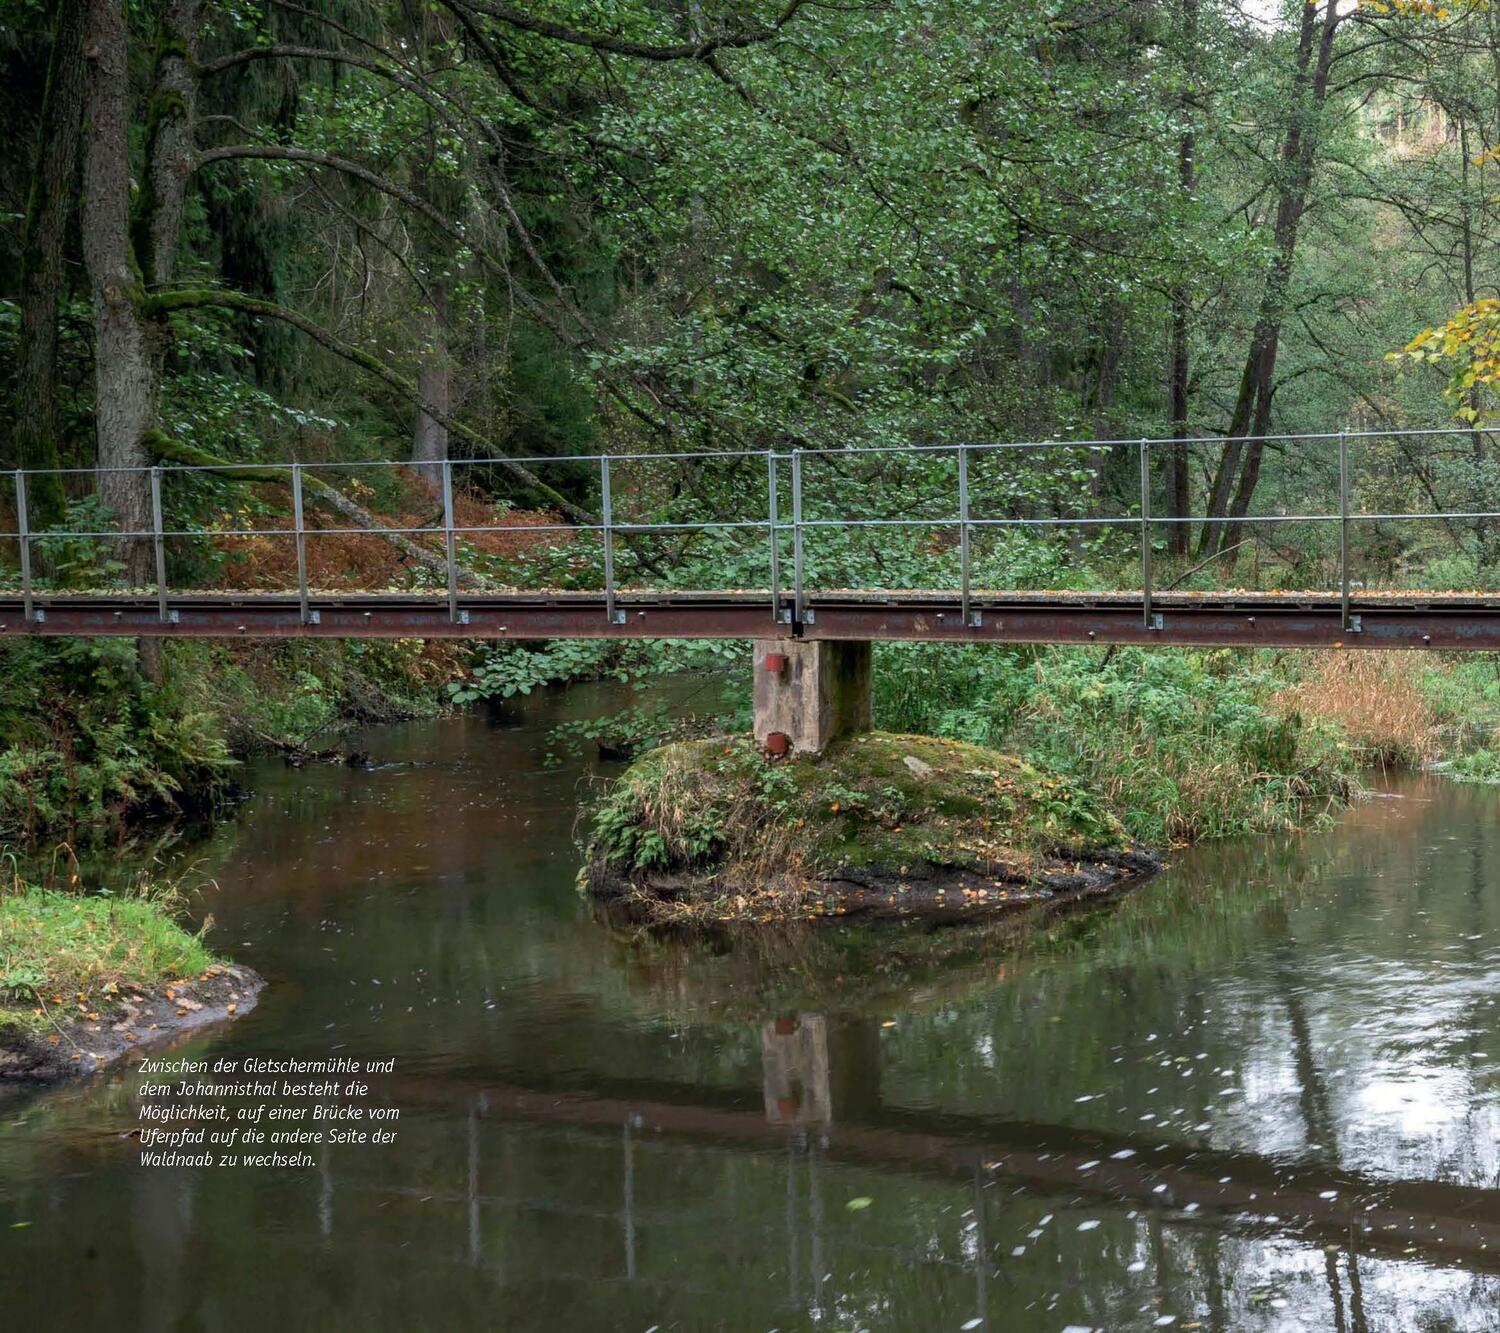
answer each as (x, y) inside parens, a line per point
(1179, 1198)
(769, 1171)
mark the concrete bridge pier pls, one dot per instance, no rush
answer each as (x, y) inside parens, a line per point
(810, 691)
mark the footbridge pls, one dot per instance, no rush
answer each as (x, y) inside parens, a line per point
(816, 534)
(797, 515)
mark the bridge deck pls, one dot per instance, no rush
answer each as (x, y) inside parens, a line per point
(1230, 617)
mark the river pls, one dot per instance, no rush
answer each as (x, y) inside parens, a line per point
(1261, 1092)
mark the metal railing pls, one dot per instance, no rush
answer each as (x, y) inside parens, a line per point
(609, 528)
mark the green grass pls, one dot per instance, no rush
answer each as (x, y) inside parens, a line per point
(1479, 767)
(875, 801)
(67, 948)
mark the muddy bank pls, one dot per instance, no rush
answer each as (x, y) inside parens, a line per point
(70, 1041)
(878, 826)
(938, 894)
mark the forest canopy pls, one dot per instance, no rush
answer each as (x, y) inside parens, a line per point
(245, 233)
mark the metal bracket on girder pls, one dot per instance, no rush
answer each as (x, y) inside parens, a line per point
(616, 618)
(1157, 621)
(976, 620)
(1356, 625)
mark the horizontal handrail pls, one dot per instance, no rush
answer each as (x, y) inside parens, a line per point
(773, 525)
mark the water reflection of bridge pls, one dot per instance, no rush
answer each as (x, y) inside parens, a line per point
(1153, 1196)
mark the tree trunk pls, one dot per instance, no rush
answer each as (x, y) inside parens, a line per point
(1229, 455)
(1180, 501)
(429, 448)
(1298, 156)
(1487, 538)
(53, 187)
(124, 385)
(170, 154)
(429, 445)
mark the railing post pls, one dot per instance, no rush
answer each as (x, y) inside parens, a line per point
(772, 515)
(607, 511)
(299, 527)
(1148, 617)
(1344, 620)
(797, 600)
(450, 545)
(23, 536)
(963, 535)
(159, 546)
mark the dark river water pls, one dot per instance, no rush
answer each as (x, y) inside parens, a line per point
(1262, 1092)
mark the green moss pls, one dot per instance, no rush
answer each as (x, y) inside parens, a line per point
(877, 802)
(59, 948)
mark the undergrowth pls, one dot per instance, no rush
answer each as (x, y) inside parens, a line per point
(1180, 745)
(90, 744)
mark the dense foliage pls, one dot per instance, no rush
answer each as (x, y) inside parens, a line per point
(504, 234)
(410, 230)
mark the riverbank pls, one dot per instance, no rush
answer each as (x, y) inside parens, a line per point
(92, 745)
(878, 825)
(86, 979)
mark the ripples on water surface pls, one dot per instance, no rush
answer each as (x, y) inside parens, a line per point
(1261, 1093)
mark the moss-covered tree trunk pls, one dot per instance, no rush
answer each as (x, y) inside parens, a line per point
(126, 248)
(170, 154)
(429, 447)
(50, 202)
(124, 382)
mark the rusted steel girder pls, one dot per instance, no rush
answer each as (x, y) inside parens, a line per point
(543, 616)
(1262, 623)
(1248, 620)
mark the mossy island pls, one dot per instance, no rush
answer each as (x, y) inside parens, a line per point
(85, 979)
(877, 825)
